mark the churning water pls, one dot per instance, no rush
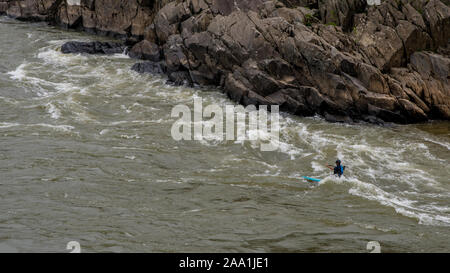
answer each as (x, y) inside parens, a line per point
(86, 154)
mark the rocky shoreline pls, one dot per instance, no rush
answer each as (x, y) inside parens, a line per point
(344, 60)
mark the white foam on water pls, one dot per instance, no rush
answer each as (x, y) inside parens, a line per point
(104, 131)
(59, 43)
(41, 86)
(267, 165)
(436, 207)
(57, 58)
(378, 163)
(372, 227)
(115, 123)
(443, 194)
(424, 150)
(84, 91)
(9, 100)
(19, 73)
(177, 95)
(317, 167)
(258, 137)
(130, 136)
(4, 125)
(266, 174)
(63, 128)
(315, 139)
(443, 144)
(54, 112)
(427, 215)
(79, 111)
(117, 56)
(126, 109)
(425, 218)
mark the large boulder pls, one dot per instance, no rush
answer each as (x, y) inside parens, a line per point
(93, 47)
(380, 43)
(145, 50)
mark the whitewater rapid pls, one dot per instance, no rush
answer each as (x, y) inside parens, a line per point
(95, 111)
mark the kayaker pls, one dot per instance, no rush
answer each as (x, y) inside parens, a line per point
(338, 170)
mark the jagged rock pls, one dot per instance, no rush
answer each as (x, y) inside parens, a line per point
(432, 65)
(413, 16)
(165, 22)
(93, 48)
(235, 89)
(180, 78)
(120, 17)
(301, 3)
(226, 7)
(380, 43)
(150, 67)
(145, 50)
(386, 115)
(414, 39)
(413, 112)
(343, 60)
(432, 83)
(174, 55)
(337, 118)
(437, 15)
(253, 98)
(337, 12)
(29, 10)
(3, 8)
(150, 34)
(196, 24)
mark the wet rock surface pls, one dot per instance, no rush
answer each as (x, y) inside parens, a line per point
(93, 48)
(145, 50)
(344, 60)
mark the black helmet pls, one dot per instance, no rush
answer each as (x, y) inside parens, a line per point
(338, 162)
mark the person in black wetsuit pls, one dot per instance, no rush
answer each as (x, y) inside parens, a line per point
(338, 170)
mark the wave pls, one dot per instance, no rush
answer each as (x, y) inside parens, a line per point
(443, 144)
(429, 214)
(40, 86)
(54, 112)
(61, 127)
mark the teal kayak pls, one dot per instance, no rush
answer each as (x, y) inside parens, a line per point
(311, 179)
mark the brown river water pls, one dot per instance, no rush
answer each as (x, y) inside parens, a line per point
(86, 155)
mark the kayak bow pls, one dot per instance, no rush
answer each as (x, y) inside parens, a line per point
(311, 179)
